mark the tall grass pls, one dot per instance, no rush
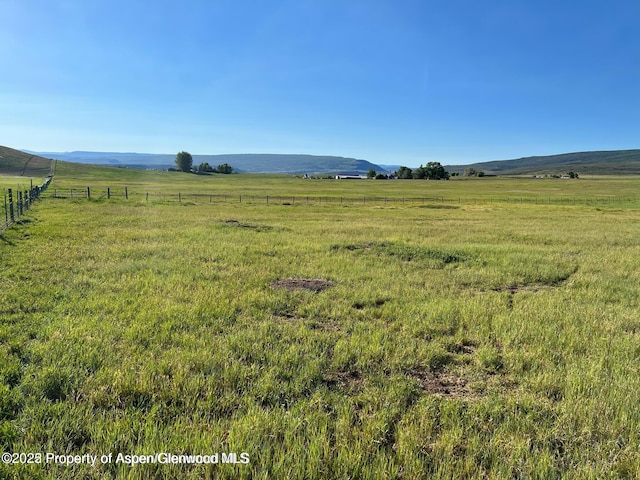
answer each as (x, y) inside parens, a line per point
(480, 341)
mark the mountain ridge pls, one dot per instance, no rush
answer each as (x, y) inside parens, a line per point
(247, 162)
(597, 162)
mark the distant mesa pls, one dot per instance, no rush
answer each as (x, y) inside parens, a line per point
(248, 163)
(615, 162)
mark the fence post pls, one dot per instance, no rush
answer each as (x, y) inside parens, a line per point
(6, 211)
(19, 204)
(88, 193)
(267, 199)
(179, 197)
(147, 196)
(126, 193)
(11, 211)
(108, 192)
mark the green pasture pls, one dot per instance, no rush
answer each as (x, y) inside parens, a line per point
(163, 185)
(493, 340)
(18, 183)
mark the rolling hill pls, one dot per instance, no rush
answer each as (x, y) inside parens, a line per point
(18, 163)
(615, 162)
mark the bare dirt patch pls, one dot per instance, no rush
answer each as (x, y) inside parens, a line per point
(311, 284)
(343, 379)
(441, 383)
(239, 224)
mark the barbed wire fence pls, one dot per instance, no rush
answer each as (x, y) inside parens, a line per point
(108, 193)
(18, 201)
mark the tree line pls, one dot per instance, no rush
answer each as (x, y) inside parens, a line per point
(184, 163)
(431, 171)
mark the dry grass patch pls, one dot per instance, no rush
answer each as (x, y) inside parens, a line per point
(442, 383)
(344, 380)
(311, 284)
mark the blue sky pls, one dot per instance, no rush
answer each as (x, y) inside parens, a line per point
(392, 82)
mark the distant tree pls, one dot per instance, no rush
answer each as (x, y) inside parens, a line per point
(404, 173)
(420, 172)
(435, 171)
(472, 172)
(224, 168)
(573, 175)
(184, 161)
(431, 171)
(205, 168)
(371, 173)
(380, 176)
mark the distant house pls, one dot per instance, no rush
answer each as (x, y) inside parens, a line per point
(351, 177)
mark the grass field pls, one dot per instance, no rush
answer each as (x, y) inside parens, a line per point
(496, 340)
(162, 185)
(18, 183)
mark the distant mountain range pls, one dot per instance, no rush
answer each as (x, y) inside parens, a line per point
(248, 163)
(615, 162)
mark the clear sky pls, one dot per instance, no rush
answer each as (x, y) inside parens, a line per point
(389, 81)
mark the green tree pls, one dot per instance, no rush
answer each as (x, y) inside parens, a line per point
(224, 168)
(404, 172)
(204, 167)
(435, 171)
(431, 171)
(371, 173)
(420, 172)
(184, 161)
(470, 172)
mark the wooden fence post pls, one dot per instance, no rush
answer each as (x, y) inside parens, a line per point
(126, 193)
(11, 211)
(108, 192)
(88, 193)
